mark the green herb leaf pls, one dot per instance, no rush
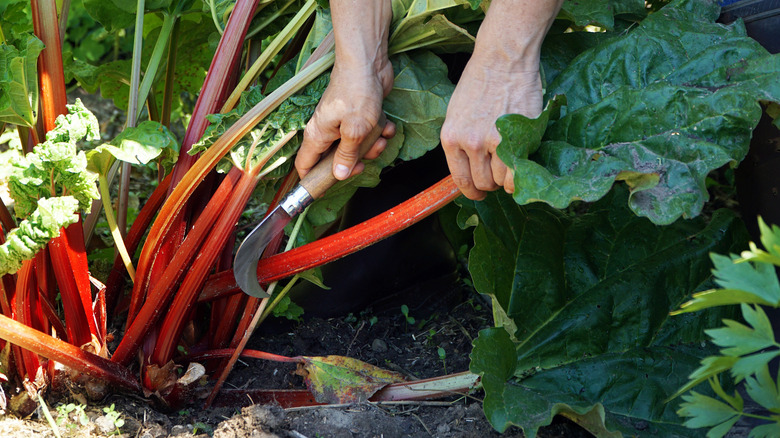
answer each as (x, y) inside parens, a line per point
(18, 81)
(706, 411)
(33, 233)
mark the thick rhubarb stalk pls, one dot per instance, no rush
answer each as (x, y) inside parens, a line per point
(220, 77)
(216, 86)
(51, 79)
(187, 295)
(23, 304)
(69, 355)
(340, 244)
(161, 295)
(173, 206)
(69, 262)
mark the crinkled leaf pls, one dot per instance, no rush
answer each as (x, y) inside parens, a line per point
(602, 284)
(111, 78)
(285, 308)
(15, 21)
(19, 81)
(600, 12)
(624, 389)
(138, 145)
(658, 116)
(56, 167)
(33, 233)
(418, 100)
(339, 379)
(77, 125)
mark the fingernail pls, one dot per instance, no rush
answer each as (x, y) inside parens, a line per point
(341, 171)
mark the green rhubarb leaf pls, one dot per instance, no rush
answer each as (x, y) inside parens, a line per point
(56, 167)
(119, 14)
(33, 233)
(15, 21)
(601, 12)
(601, 284)
(339, 379)
(418, 100)
(111, 78)
(422, 23)
(139, 145)
(18, 81)
(658, 119)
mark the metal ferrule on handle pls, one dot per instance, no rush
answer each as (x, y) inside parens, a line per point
(296, 201)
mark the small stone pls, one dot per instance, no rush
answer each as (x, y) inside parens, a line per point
(443, 429)
(179, 430)
(104, 424)
(379, 346)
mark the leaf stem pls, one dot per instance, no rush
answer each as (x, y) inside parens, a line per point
(105, 196)
(269, 53)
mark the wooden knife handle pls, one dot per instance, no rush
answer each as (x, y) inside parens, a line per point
(320, 178)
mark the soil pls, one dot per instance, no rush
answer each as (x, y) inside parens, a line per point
(385, 338)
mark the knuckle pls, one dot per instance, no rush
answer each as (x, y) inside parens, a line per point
(354, 131)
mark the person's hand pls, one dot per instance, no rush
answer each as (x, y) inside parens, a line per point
(469, 135)
(352, 104)
(349, 109)
(502, 77)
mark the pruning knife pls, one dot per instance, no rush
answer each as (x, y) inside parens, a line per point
(311, 187)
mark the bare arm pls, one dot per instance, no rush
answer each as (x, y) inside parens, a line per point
(362, 76)
(501, 77)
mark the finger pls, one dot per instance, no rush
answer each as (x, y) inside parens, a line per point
(389, 131)
(481, 171)
(353, 131)
(357, 169)
(499, 170)
(377, 149)
(318, 136)
(509, 181)
(458, 162)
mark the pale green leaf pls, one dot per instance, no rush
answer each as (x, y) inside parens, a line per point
(762, 389)
(19, 82)
(33, 233)
(704, 411)
(758, 279)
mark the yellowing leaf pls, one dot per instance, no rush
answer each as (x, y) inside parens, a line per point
(339, 379)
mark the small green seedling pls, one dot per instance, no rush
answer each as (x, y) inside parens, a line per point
(405, 311)
(200, 427)
(443, 356)
(64, 415)
(113, 415)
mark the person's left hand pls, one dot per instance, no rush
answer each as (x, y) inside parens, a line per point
(469, 135)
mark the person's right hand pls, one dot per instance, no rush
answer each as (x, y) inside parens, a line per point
(352, 104)
(349, 110)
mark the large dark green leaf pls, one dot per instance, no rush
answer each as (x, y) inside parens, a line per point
(658, 108)
(600, 12)
(578, 292)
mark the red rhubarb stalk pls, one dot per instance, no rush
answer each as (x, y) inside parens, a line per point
(160, 296)
(192, 284)
(23, 304)
(51, 79)
(340, 244)
(69, 355)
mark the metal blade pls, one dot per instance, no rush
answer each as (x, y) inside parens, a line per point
(248, 254)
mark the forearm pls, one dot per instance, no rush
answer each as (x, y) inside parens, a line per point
(361, 29)
(511, 35)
